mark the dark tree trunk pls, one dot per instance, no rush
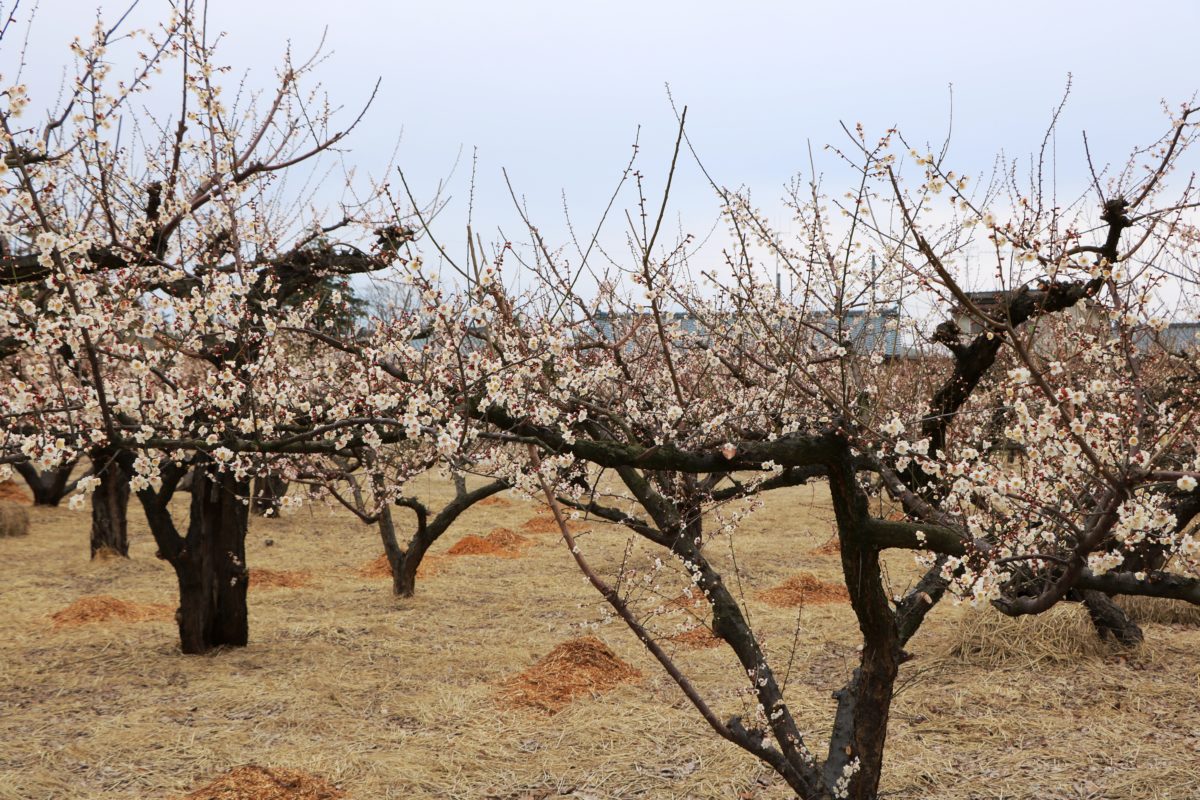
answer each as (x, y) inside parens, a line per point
(49, 487)
(864, 705)
(268, 495)
(211, 567)
(110, 506)
(404, 563)
(1110, 619)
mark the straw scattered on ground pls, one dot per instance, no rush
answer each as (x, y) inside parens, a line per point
(803, 589)
(501, 543)
(266, 783)
(106, 553)
(575, 668)
(494, 502)
(687, 599)
(389, 697)
(103, 608)
(279, 579)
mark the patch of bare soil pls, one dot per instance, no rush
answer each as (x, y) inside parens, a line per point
(577, 667)
(803, 589)
(279, 579)
(501, 543)
(253, 782)
(103, 608)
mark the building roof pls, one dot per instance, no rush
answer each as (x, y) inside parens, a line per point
(1179, 336)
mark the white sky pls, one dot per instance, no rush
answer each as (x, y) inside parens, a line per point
(555, 91)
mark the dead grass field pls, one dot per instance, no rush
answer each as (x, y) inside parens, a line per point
(375, 697)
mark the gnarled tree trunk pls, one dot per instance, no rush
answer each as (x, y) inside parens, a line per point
(210, 561)
(405, 563)
(211, 568)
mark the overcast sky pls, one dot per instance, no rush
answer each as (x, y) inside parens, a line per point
(555, 91)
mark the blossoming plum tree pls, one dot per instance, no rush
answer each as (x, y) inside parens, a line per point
(148, 269)
(785, 389)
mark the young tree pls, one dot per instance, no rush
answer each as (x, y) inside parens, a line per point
(386, 471)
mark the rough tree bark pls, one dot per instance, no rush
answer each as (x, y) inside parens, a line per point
(212, 567)
(861, 722)
(110, 505)
(210, 561)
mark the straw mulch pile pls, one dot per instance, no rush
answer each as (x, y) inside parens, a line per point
(12, 492)
(578, 667)
(1064, 634)
(544, 525)
(266, 783)
(505, 537)
(14, 520)
(803, 589)
(102, 608)
(279, 579)
(698, 638)
(501, 543)
(1160, 610)
(380, 567)
(832, 547)
(494, 501)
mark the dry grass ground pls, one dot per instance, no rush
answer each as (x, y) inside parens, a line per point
(346, 689)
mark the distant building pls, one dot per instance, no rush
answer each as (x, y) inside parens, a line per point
(863, 331)
(877, 331)
(1178, 337)
(1085, 313)
(611, 327)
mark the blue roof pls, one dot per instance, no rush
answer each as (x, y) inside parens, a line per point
(875, 331)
